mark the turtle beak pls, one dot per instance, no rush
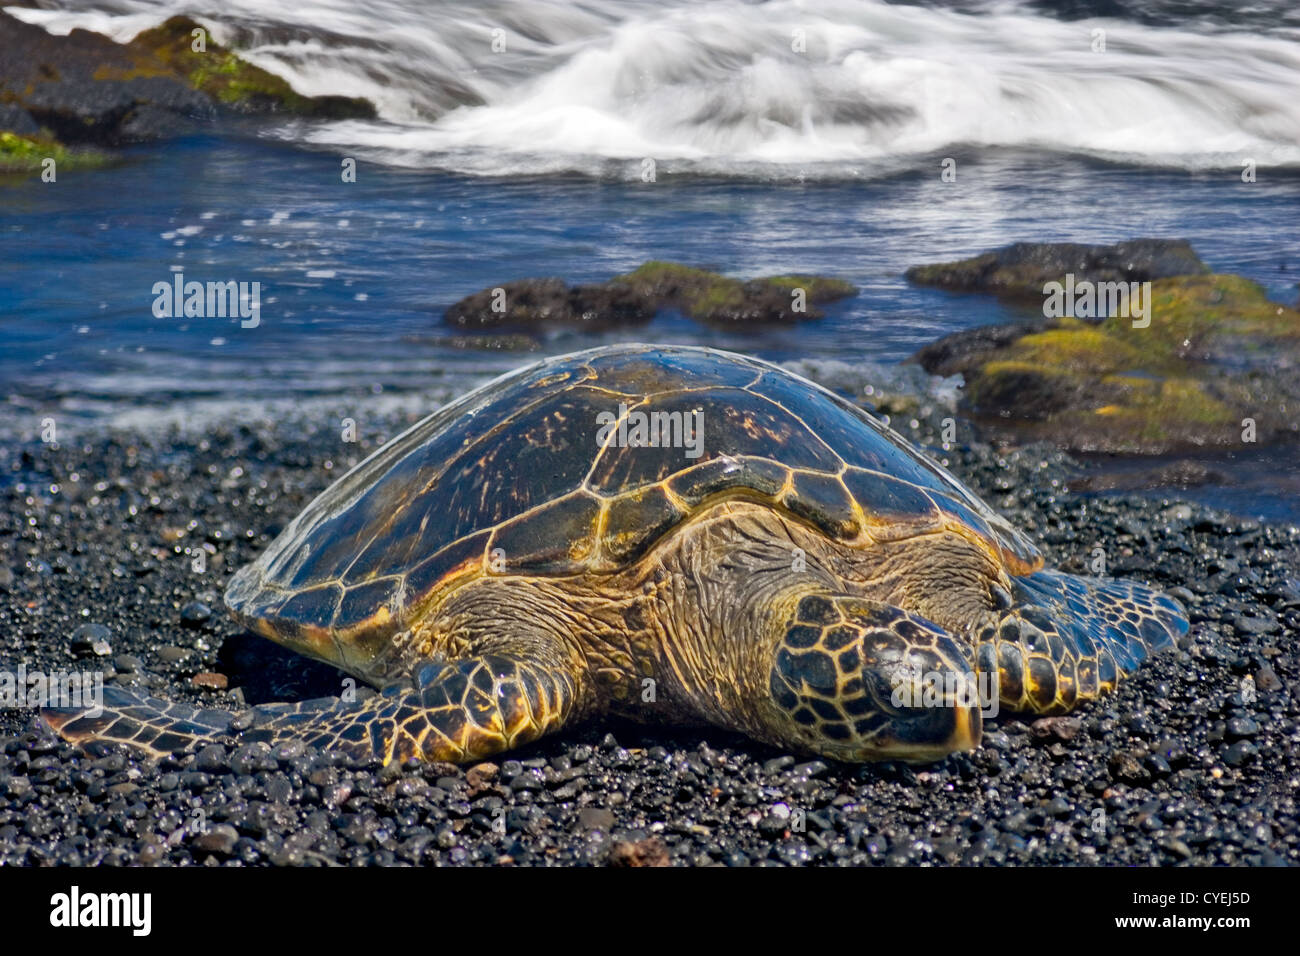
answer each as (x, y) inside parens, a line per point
(934, 728)
(942, 730)
(927, 712)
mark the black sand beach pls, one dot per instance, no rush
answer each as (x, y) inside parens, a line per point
(1193, 762)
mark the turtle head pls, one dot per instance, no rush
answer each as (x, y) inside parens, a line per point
(858, 680)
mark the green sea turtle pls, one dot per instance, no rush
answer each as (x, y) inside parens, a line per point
(677, 535)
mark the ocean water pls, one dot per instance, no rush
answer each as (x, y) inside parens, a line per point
(831, 88)
(512, 141)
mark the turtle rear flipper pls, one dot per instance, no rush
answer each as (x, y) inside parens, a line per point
(1067, 639)
(456, 711)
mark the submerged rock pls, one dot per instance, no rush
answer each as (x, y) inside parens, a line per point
(637, 296)
(709, 297)
(1022, 269)
(549, 302)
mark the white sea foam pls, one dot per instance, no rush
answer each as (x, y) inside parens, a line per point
(714, 85)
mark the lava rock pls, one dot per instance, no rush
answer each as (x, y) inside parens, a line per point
(91, 640)
(195, 614)
(1021, 269)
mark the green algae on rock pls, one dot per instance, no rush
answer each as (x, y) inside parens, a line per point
(86, 89)
(637, 296)
(529, 303)
(232, 81)
(710, 297)
(1205, 372)
(27, 154)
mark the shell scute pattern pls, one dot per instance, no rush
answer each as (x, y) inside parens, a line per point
(555, 538)
(517, 466)
(824, 501)
(635, 521)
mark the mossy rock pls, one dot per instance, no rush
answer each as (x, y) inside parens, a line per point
(1209, 318)
(1078, 349)
(819, 289)
(27, 154)
(697, 292)
(637, 296)
(1205, 364)
(711, 297)
(84, 89)
(228, 79)
(1168, 415)
(1023, 390)
(528, 304)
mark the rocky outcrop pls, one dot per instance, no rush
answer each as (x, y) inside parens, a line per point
(85, 89)
(637, 296)
(550, 302)
(1021, 270)
(1218, 365)
(230, 81)
(709, 297)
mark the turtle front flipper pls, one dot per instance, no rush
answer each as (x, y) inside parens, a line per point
(856, 679)
(152, 726)
(1068, 639)
(457, 711)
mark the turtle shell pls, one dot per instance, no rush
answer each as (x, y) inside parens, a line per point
(579, 465)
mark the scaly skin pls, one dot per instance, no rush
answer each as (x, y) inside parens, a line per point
(745, 618)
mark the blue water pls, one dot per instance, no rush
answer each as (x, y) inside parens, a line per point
(355, 276)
